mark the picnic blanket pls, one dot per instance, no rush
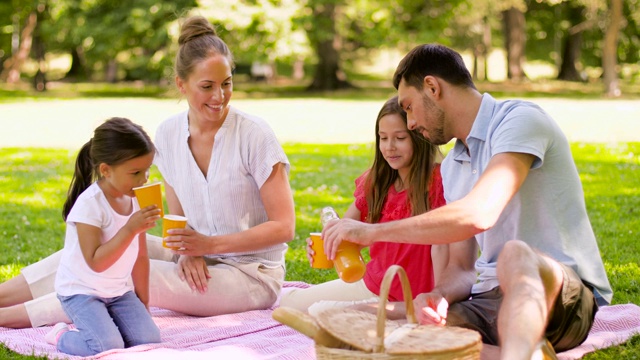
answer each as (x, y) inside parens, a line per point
(255, 335)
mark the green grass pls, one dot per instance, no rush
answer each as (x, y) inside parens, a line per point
(33, 184)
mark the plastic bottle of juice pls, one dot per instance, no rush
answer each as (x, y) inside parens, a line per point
(348, 262)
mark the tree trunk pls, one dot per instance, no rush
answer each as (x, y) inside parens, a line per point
(486, 47)
(38, 50)
(572, 45)
(40, 79)
(515, 42)
(13, 66)
(111, 71)
(328, 75)
(298, 69)
(78, 70)
(326, 43)
(609, 53)
(476, 53)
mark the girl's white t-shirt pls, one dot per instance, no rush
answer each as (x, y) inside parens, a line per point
(74, 276)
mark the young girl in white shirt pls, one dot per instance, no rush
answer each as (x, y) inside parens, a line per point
(105, 245)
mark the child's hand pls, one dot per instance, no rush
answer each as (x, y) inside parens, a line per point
(143, 219)
(310, 251)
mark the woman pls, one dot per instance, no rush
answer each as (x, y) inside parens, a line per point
(225, 171)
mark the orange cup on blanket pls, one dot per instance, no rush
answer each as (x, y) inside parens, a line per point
(320, 260)
(172, 222)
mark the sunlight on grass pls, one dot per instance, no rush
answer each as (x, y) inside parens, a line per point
(10, 270)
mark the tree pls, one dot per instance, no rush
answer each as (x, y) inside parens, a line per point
(118, 40)
(13, 66)
(341, 32)
(473, 26)
(327, 44)
(259, 31)
(515, 42)
(472, 29)
(572, 46)
(609, 54)
(38, 49)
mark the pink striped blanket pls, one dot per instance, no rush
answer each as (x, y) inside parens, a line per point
(255, 335)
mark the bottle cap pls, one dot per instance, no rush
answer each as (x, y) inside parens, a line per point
(328, 214)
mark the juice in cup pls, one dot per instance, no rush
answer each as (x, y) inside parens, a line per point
(349, 263)
(172, 222)
(149, 194)
(320, 260)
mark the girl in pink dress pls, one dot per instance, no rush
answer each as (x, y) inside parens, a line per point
(404, 180)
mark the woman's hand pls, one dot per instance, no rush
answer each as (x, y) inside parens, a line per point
(189, 242)
(193, 270)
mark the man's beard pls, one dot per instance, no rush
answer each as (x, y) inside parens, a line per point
(436, 135)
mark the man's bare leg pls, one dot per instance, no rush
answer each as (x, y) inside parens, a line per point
(530, 283)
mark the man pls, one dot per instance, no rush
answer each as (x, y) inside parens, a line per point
(511, 184)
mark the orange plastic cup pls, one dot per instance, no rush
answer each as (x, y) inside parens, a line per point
(320, 260)
(150, 194)
(349, 263)
(172, 222)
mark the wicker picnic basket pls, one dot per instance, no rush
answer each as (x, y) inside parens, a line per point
(374, 337)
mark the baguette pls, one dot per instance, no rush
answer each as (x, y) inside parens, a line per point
(308, 326)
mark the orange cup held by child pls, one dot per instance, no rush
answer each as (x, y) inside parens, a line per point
(150, 194)
(320, 260)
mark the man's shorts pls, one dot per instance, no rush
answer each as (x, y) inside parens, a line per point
(569, 321)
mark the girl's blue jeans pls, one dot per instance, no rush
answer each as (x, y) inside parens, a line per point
(106, 323)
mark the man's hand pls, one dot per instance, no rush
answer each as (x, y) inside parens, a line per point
(345, 229)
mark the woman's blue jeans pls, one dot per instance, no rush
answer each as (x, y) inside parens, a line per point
(106, 323)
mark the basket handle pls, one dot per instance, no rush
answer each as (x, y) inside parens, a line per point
(384, 294)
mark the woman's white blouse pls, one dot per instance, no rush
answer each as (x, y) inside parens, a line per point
(228, 199)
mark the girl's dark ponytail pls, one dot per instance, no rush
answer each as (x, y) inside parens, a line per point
(82, 178)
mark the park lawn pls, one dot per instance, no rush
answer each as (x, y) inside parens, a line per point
(33, 185)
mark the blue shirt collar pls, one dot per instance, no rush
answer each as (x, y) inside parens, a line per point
(478, 129)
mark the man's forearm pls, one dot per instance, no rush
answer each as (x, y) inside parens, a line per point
(445, 225)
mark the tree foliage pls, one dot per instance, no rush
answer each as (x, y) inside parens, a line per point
(341, 32)
(131, 36)
(114, 40)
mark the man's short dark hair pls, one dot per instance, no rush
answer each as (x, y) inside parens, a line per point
(432, 59)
